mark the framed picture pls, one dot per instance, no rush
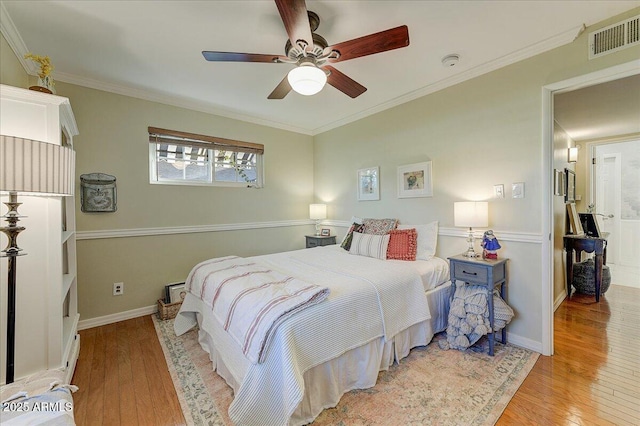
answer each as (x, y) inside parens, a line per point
(414, 180)
(570, 185)
(369, 184)
(590, 225)
(325, 232)
(574, 220)
(175, 292)
(558, 182)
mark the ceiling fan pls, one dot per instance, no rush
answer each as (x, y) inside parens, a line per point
(312, 54)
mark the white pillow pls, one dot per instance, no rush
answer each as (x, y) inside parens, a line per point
(427, 239)
(370, 245)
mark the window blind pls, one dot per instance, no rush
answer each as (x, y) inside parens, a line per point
(175, 137)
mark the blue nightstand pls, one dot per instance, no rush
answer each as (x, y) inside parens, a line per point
(485, 272)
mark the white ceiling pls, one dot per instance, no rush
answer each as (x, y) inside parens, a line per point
(152, 49)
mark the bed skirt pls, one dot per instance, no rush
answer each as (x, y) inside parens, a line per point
(358, 368)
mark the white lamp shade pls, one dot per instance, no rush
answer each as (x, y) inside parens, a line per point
(34, 167)
(572, 155)
(317, 211)
(307, 79)
(471, 214)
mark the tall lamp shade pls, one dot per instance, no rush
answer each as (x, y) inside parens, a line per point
(317, 212)
(33, 168)
(471, 214)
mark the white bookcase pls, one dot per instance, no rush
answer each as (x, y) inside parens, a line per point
(46, 284)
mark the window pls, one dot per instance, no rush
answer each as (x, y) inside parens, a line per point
(180, 158)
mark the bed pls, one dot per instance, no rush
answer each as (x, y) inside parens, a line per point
(375, 312)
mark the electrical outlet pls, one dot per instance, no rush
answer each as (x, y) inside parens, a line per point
(118, 289)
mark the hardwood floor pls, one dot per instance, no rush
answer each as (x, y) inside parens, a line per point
(593, 377)
(591, 380)
(123, 377)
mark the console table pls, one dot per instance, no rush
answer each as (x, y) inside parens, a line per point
(581, 243)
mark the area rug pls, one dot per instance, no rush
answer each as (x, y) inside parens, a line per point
(430, 387)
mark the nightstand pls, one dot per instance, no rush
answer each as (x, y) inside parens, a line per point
(319, 240)
(485, 272)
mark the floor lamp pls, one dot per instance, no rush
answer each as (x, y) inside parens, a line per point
(32, 168)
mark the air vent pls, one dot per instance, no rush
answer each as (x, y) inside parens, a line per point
(614, 37)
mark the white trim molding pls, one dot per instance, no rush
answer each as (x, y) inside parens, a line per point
(16, 42)
(144, 232)
(120, 316)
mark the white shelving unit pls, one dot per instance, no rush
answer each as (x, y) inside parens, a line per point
(46, 288)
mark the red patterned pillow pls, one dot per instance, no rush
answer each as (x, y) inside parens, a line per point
(403, 244)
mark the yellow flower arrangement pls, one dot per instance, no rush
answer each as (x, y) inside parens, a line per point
(45, 64)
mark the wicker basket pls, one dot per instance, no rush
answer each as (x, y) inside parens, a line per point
(584, 277)
(168, 311)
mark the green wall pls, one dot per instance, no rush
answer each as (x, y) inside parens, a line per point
(11, 71)
(478, 133)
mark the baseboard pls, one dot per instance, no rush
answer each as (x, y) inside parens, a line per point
(523, 342)
(559, 300)
(120, 316)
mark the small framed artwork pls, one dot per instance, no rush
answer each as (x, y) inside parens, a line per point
(574, 220)
(590, 225)
(369, 184)
(414, 180)
(558, 183)
(570, 185)
(175, 292)
(325, 232)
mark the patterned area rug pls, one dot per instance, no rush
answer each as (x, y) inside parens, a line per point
(429, 387)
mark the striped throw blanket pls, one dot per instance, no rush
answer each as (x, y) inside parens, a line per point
(250, 300)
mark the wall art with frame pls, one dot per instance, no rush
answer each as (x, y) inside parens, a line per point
(570, 185)
(369, 184)
(414, 180)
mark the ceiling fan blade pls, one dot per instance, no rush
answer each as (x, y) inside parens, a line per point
(345, 84)
(296, 20)
(393, 38)
(241, 57)
(281, 90)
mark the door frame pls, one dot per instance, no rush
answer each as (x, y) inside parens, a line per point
(608, 74)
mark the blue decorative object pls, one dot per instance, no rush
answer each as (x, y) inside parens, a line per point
(490, 245)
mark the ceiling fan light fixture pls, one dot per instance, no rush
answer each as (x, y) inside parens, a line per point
(307, 79)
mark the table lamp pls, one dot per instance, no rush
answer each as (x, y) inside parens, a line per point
(471, 214)
(32, 168)
(317, 212)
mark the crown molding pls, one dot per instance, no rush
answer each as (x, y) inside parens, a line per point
(533, 50)
(14, 39)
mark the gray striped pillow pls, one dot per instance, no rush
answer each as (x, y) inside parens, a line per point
(370, 245)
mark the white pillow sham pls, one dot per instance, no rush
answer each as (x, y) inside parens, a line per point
(370, 245)
(427, 239)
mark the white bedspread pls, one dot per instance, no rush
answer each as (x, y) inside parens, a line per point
(251, 300)
(368, 299)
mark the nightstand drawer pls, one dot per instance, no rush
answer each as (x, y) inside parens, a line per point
(320, 240)
(470, 273)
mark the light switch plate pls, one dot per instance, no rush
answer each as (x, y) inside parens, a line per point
(517, 190)
(498, 191)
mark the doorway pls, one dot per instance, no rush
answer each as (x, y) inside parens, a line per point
(548, 249)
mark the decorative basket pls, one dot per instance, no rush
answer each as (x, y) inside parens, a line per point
(584, 277)
(168, 311)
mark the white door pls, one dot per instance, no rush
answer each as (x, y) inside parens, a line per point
(616, 193)
(607, 205)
